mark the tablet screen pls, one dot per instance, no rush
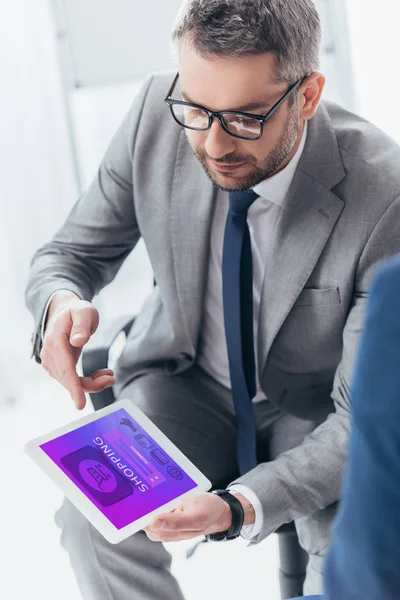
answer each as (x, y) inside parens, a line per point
(119, 467)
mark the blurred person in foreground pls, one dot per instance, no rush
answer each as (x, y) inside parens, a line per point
(363, 561)
(264, 212)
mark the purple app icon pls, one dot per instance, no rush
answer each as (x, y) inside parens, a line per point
(159, 456)
(100, 480)
(144, 441)
(174, 472)
(98, 476)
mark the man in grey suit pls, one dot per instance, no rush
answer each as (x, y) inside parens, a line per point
(325, 210)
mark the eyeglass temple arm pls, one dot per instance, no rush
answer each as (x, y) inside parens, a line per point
(284, 98)
(172, 87)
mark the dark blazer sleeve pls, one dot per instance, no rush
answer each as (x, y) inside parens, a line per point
(363, 563)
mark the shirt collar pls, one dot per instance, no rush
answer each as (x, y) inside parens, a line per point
(275, 188)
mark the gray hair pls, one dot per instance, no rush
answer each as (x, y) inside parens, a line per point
(291, 29)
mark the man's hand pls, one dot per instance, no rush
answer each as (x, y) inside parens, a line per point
(70, 324)
(198, 515)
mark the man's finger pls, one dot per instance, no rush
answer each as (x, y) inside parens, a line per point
(179, 521)
(168, 536)
(84, 323)
(98, 384)
(152, 536)
(79, 338)
(66, 372)
(101, 373)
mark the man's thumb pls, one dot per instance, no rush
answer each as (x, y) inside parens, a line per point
(79, 335)
(84, 324)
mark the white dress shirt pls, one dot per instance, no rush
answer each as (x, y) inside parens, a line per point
(213, 356)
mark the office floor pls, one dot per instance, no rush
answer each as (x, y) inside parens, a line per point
(32, 560)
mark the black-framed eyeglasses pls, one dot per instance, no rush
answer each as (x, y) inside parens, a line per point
(242, 125)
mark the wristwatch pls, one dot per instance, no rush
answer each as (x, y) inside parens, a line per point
(237, 518)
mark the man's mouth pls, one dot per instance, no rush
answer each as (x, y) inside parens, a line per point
(227, 167)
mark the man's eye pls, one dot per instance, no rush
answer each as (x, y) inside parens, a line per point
(247, 122)
(244, 122)
(195, 114)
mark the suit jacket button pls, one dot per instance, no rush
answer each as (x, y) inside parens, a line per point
(172, 365)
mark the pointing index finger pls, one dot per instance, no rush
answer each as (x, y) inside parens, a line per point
(67, 374)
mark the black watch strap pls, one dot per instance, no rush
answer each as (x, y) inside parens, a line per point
(237, 518)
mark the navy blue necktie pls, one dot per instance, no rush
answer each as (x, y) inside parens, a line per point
(237, 277)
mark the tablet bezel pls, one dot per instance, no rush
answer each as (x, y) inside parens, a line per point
(82, 502)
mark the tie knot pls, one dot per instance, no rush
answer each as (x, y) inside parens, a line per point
(240, 202)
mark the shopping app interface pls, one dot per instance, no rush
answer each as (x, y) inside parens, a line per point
(119, 467)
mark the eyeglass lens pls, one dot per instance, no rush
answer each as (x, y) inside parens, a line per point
(196, 118)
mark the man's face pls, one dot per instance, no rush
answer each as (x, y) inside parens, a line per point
(246, 85)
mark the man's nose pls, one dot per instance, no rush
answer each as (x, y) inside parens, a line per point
(219, 143)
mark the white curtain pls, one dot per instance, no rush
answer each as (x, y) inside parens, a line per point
(37, 181)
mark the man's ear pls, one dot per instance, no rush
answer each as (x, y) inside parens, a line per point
(310, 95)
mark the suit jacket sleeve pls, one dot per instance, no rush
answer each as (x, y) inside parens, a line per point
(364, 552)
(308, 478)
(98, 235)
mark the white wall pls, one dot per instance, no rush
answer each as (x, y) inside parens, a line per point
(374, 29)
(37, 182)
(116, 42)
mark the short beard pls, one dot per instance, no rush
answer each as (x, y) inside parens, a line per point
(272, 163)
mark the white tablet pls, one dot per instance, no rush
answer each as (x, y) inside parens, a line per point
(117, 468)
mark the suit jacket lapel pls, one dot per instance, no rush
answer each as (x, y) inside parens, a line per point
(192, 202)
(308, 217)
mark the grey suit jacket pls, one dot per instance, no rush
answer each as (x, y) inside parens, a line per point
(341, 217)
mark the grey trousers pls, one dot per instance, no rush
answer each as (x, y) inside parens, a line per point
(196, 413)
